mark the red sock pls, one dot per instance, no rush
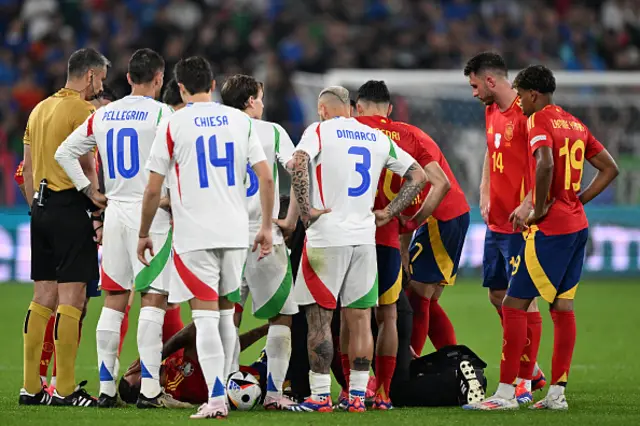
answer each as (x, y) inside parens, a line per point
(499, 311)
(124, 327)
(47, 347)
(54, 371)
(421, 310)
(515, 338)
(172, 324)
(385, 367)
(564, 339)
(441, 330)
(530, 353)
(346, 368)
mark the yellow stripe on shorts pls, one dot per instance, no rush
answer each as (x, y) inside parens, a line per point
(537, 274)
(445, 264)
(390, 296)
(569, 294)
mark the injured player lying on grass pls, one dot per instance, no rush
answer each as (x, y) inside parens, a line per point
(180, 373)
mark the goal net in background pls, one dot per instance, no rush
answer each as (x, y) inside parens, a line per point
(441, 104)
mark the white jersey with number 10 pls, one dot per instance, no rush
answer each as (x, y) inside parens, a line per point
(347, 158)
(208, 145)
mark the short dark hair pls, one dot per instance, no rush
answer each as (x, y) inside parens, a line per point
(195, 74)
(375, 91)
(171, 94)
(237, 90)
(144, 65)
(485, 61)
(108, 93)
(128, 393)
(536, 77)
(82, 60)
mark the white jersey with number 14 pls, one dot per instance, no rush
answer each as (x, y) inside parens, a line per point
(208, 145)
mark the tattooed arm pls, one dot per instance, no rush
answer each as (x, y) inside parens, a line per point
(414, 181)
(319, 340)
(300, 185)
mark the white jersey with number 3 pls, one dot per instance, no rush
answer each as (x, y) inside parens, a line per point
(278, 148)
(208, 145)
(123, 132)
(347, 158)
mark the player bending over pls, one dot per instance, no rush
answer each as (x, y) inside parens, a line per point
(506, 167)
(339, 258)
(269, 281)
(124, 131)
(208, 146)
(549, 264)
(374, 107)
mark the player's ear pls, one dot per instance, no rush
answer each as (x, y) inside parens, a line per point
(389, 110)
(213, 85)
(491, 81)
(129, 80)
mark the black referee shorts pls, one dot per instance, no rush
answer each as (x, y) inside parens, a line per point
(62, 246)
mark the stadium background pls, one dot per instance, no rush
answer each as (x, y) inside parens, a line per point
(419, 47)
(296, 47)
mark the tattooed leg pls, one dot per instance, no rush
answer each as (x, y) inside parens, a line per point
(319, 340)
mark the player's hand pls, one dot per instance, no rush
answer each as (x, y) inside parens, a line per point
(314, 214)
(536, 216)
(133, 368)
(484, 208)
(382, 217)
(144, 243)
(519, 216)
(264, 239)
(96, 197)
(414, 355)
(98, 228)
(285, 227)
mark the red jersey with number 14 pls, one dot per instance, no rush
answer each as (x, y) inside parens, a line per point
(424, 150)
(572, 143)
(508, 152)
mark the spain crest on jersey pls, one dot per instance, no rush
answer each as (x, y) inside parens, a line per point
(508, 131)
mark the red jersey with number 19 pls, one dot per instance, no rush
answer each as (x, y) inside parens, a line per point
(571, 143)
(508, 163)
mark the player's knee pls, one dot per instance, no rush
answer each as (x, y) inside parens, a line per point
(281, 320)
(46, 294)
(562, 305)
(225, 304)
(154, 299)
(426, 290)
(72, 294)
(386, 314)
(116, 300)
(515, 303)
(496, 297)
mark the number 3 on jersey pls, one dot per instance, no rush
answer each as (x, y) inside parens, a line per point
(362, 169)
(227, 161)
(134, 154)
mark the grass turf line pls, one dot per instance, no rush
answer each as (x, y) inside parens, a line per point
(602, 387)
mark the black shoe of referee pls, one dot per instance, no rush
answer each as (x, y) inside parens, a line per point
(79, 398)
(40, 398)
(106, 401)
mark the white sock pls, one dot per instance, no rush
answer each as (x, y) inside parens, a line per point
(235, 362)
(358, 381)
(320, 385)
(527, 383)
(107, 340)
(536, 369)
(150, 349)
(43, 379)
(555, 390)
(278, 354)
(506, 391)
(228, 336)
(210, 352)
(53, 381)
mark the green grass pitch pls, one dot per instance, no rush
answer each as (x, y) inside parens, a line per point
(603, 388)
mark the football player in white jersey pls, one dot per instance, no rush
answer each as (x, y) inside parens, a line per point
(339, 257)
(208, 145)
(123, 132)
(269, 281)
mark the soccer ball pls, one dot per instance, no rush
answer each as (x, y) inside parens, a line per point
(243, 391)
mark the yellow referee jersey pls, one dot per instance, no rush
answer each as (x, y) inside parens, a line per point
(50, 122)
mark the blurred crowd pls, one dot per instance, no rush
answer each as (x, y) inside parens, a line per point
(274, 38)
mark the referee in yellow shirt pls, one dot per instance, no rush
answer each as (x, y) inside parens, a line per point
(64, 255)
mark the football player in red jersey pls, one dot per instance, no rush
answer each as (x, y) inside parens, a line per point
(550, 262)
(502, 190)
(373, 107)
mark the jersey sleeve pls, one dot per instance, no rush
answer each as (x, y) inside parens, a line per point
(398, 161)
(81, 141)
(538, 132)
(593, 147)
(284, 147)
(18, 176)
(255, 154)
(310, 141)
(162, 150)
(26, 139)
